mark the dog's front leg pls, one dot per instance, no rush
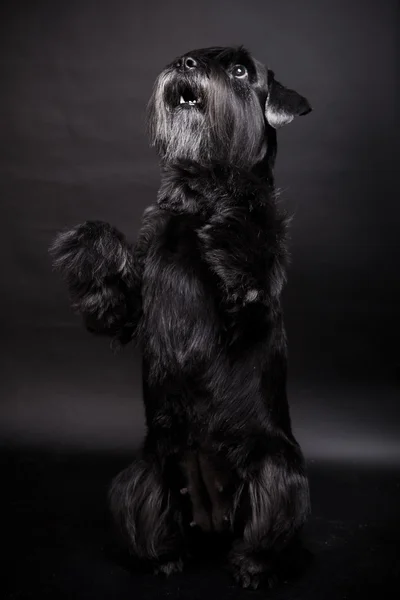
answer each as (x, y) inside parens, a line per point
(246, 250)
(243, 236)
(104, 273)
(100, 269)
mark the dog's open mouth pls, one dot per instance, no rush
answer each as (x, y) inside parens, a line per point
(188, 97)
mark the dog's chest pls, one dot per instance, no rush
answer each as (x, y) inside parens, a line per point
(179, 314)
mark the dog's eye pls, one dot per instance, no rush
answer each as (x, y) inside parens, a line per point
(239, 71)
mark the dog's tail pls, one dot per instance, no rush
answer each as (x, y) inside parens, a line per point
(98, 265)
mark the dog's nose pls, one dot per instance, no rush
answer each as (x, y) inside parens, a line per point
(186, 63)
(189, 62)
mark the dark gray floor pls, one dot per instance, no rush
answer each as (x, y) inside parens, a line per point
(59, 544)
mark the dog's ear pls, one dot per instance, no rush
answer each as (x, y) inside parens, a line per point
(283, 105)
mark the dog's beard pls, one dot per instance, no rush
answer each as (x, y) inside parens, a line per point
(188, 137)
(219, 123)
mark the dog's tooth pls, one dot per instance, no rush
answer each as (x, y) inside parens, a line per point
(181, 100)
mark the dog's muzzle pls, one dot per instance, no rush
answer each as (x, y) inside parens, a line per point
(186, 93)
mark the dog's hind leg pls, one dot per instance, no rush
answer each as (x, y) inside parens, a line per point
(273, 508)
(146, 508)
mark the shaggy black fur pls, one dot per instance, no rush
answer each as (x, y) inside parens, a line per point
(200, 292)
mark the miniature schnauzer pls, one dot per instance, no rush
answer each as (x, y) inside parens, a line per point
(200, 292)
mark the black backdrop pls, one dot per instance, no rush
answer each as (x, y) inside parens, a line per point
(75, 78)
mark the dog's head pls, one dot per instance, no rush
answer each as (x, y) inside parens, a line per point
(219, 104)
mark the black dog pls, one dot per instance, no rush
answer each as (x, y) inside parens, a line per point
(200, 291)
